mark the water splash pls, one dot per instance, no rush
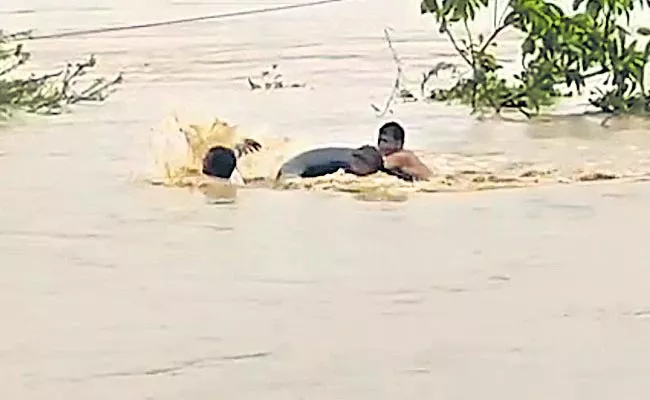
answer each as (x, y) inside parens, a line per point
(178, 149)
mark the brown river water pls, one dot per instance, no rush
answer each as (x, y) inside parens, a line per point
(116, 288)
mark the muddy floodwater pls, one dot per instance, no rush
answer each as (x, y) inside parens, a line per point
(112, 287)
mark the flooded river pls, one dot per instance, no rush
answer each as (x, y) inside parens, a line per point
(113, 288)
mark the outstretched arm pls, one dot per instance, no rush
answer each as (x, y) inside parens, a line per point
(409, 163)
(398, 173)
(246, 146)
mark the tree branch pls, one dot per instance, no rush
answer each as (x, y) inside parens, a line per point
(453, 42)
(493, 36)
(473, 58)
(398, 77)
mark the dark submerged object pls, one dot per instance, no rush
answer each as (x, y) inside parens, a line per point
(363, 161)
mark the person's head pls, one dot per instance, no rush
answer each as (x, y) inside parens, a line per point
(219, 162)
(391, 138)
(366, 160)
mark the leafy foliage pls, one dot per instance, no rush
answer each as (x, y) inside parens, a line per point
(49, 93)
(559, 49)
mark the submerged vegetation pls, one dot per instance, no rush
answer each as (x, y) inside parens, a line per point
(560, 51)
(47, 93)
(271, 79)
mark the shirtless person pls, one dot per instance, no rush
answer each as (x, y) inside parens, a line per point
(403, 164)
(398, 162)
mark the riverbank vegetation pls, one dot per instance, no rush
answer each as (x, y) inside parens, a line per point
(49, 93)
(560, 51)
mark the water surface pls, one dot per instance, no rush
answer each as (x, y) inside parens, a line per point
(112, 288)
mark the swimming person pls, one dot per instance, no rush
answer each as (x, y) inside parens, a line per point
(363, 161)
(389, 157)
(221, 162)
(398, 162)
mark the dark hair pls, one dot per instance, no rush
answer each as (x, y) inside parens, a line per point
(219, 162)
(370, 157)
(394, 129)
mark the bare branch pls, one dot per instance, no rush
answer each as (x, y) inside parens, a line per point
(398, 78)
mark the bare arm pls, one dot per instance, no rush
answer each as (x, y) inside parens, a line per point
(246, 146)
(408, 162)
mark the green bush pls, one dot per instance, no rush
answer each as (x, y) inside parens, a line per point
(48, 93)
(561, 50)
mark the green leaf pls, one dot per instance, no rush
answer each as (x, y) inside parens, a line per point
(578, 3)
(447, 6)
(528, 46)
(593, 8)
(622, 30)
(443, 27)
(429, 7)
(554, 10)
(622, 36)
(643, 31)
(472, 12)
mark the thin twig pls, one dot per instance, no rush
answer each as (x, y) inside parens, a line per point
(503, 15)
(493, 36)
(398, 77)
(14, 53)
(473, 58)
(458, 50)
(23, 35)
(21, 60)
(605, 122)
(441, 66)
(96, 91)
